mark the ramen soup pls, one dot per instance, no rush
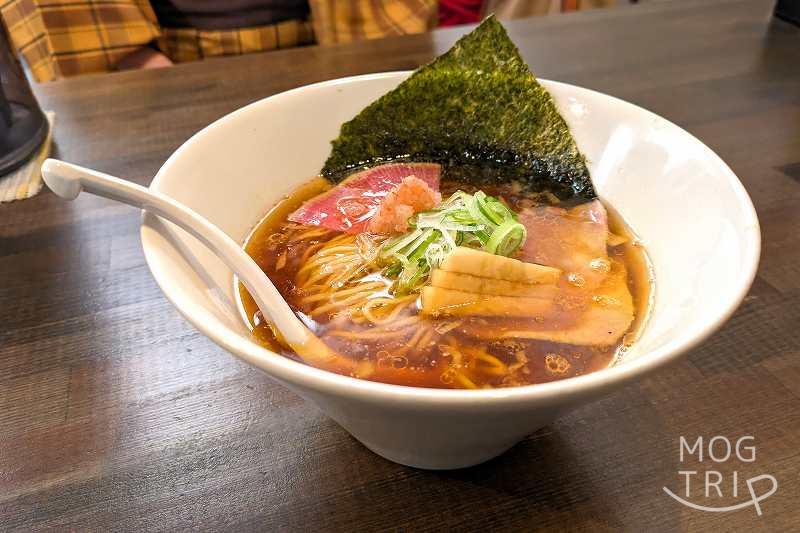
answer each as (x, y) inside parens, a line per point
(414, 278)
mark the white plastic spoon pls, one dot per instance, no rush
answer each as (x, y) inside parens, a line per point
(68, 180)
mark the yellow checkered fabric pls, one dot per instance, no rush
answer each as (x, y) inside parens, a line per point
(60, 38)
(339, 21)
(190, 44)
(70, 37)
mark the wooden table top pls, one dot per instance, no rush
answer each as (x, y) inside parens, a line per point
(116, 413)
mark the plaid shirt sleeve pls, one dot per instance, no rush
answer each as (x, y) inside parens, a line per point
(190, 44)
(70, 37)
(60, 38)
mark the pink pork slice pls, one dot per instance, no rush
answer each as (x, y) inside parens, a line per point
(573, 240)
(351, 204)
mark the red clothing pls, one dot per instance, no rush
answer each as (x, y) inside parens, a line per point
(455, 12)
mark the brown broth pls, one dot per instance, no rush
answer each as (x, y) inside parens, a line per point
(386, 357)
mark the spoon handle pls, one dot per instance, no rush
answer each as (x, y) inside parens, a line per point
(68, 180)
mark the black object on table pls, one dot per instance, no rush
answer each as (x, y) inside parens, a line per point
(23, 126)
(788, 10)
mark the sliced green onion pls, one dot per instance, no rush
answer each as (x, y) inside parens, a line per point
(422, 243)
(477, 212)
(478, 221)
(507, 238)
(394, 245)
(497, 210)
(393, 270)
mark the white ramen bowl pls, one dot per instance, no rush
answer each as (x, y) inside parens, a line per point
(691, 212)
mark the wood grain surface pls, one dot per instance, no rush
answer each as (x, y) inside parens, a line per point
(115, 414)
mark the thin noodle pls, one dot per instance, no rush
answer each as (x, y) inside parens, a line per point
(319, 259)
(322, 274)
(455, 353)
(408, 321)
(341, 238)
(411, 343)
(486, 363)
(340, 278)
(340, 250)
(309, 250)
(370, 286)
(369, 334)
(465, 381)
(397, 305)
(342, 303)
(426, 340)
(311, 234)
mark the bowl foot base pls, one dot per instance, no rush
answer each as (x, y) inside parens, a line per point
(430, 461)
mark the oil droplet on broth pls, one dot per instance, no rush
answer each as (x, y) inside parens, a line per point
(556, 364)
(576, 279)
(600, 264)
(606, 301)
(399, 362)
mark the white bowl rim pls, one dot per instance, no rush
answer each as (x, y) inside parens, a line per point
(298, 373)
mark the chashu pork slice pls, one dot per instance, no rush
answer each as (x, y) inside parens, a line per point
(608, 315)
(595, 285)
(572, 240)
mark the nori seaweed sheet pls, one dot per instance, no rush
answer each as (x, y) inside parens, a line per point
(477, 110)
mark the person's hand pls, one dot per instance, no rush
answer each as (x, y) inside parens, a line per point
(144, 58)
